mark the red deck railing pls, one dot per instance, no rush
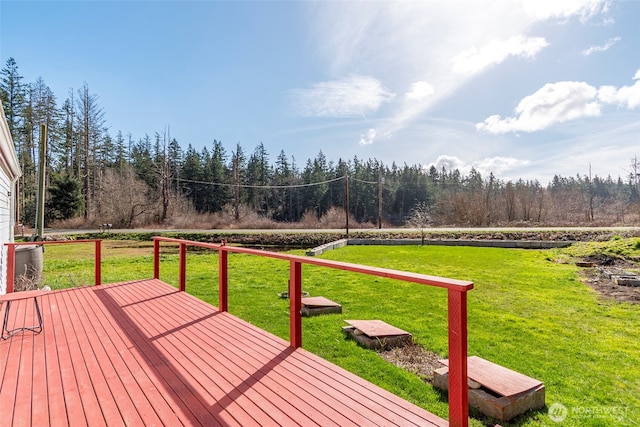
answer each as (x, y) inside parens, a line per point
(457, 304)
(11, 258)
(457, 299)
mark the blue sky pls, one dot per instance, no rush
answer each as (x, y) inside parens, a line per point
(523, 89)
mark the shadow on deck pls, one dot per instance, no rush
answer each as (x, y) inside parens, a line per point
(143, 353)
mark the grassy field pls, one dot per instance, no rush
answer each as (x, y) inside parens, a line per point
(528, 312)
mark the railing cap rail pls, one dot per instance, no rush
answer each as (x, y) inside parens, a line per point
(442, 282)
(52, 242)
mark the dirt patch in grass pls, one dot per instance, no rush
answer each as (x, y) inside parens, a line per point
(605, 286)
(415, 359)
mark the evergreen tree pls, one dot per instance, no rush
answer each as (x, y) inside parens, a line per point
(238, 171)
(259, 176)
(282, 196)
(175, 158)
(12, 93)
(63, 151)
(287, 196)
(143, 163)
(65, 197)
(338, 188)
(191, 178)
(216, 172)
(120, 152)
(315, 175)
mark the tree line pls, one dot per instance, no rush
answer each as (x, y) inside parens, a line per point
(95, 177)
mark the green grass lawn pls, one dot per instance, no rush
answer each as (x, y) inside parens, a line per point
(527, 312)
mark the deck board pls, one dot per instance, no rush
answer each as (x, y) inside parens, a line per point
(153, 325)
(142, 353)
(245, 363)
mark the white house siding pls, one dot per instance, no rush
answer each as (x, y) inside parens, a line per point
(5, 225)
(9, 173)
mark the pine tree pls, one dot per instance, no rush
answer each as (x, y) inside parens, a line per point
(121, 153)
(238, 171)
(65, 197)
(216, 171)
(191, 178)
(316, 174)
(283, 198)
(175, 158)
(64, 150)
(258, 176)
(12, 93)
(46, 112)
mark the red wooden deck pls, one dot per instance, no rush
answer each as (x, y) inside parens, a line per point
(143, 353)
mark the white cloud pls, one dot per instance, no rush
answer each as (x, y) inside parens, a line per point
(419, 91)
(474, 60)
(496, 165)
(565, 9)
(626, 96)
(368, 138)
(601, 48)
(450, 163)
(560, 102)
(354, 96)
(553, 103)
(499, 165)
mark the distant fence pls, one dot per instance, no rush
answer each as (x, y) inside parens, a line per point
(513, 244)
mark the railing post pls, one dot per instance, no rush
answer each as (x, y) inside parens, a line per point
(183, 267)
(458, 390)
(156, 258)
(98, 263)
(223, 280)
(295, 304)
(11, 266)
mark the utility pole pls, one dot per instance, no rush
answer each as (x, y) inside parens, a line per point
(380, 180)
(39, 232)
(236, 187)
(346, 202)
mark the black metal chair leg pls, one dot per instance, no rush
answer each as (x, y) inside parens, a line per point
(6, 320)
(6, 333)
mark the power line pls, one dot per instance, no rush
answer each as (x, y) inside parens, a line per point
(365, 182)
(224, 184)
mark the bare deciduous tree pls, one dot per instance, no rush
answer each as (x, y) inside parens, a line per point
(420, 218)
(126, 199)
